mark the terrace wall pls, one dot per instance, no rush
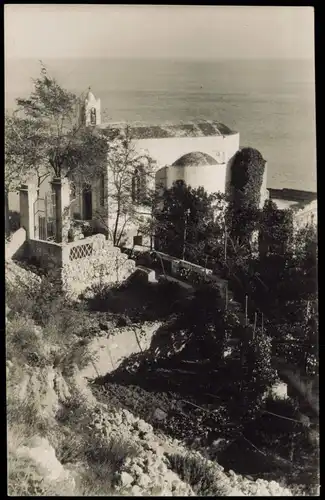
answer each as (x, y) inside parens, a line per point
(80, 264)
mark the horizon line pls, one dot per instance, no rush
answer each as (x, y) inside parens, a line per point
(151, 58)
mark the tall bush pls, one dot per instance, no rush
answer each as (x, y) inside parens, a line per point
(247, 175)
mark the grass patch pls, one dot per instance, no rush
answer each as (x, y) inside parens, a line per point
(111, 453)
(197, 473)
(104, 460)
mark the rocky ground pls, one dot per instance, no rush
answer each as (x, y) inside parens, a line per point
(63, 441)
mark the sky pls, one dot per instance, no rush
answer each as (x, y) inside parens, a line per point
(142, 31)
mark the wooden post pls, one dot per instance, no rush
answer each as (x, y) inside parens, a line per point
(46, 216)
(246, 308)
(226, 296)
(307, 310)
(186, 215)
(255, 321)
(262, 323)
(225, 243)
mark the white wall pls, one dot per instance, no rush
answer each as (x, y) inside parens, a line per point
(307, 215)
(211, 177)
(167, 151)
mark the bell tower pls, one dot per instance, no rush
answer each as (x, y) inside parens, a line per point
(90, 110)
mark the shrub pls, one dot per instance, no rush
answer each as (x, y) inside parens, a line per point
(197, 473)
(26, 414)
(113, 452)
(41, 301)
(24, 343)
(104, 459)
(69, 445)
(101, 297)
(23, 479)
(247, 175)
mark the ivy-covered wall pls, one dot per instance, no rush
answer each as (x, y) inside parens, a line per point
(247, 175)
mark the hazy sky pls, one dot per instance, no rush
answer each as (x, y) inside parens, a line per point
(60, 31)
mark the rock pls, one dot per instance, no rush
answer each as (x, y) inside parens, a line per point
(144, 481)
(43, 455)
(127, 417)
(218, 444)
(159, 415)
(136, 490)
(136, 470)
(126, 479)
(143, 426)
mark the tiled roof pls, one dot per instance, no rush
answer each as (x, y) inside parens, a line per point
(193, 129)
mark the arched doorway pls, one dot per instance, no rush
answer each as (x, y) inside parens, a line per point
(87, 202)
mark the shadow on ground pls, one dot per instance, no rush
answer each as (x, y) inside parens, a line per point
(138, 301)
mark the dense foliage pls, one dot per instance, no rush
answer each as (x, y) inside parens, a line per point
(247, 176)
(276, 229)
(48, 125)
(189, 223)
(247, 173)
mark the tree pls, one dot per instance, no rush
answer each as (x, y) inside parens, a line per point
(45, 137)
(130, 179)
(20, 157)
(276, 230)
(190, 223)
(247, 173)
(247, 176)
(49, 135)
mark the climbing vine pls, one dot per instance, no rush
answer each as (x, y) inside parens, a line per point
(247, 176)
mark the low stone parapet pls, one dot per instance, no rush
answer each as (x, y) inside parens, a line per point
(16, 243)
(80, 264)
(92, 261)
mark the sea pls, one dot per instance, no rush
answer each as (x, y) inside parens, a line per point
(271, 103)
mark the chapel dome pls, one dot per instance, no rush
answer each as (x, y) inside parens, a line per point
(194, 158)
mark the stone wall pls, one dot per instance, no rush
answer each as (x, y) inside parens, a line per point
(93, 260)
(80, 264)
(15, 244)
(48, 253)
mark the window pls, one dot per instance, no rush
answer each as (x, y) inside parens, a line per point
(93, 116)
(137, 240)
(102, 191)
